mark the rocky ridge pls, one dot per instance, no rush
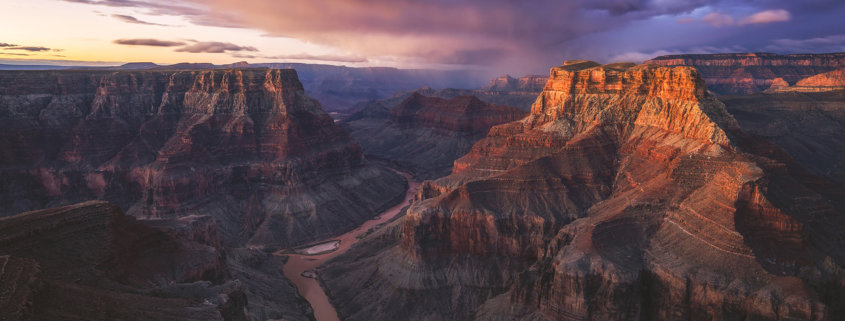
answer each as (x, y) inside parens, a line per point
(628, 193)
(89, 261)
(747, 73)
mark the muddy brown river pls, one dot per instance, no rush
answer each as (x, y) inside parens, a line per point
(297, 263)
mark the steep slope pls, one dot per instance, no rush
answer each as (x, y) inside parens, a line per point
(628, 193)
(245, 146)
(89, 261)
(426, 134)
(746, 73)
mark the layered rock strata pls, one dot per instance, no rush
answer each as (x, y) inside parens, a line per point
(628, 193)
(247, 147)
(425, 135)
(824, 82)
(746, 73)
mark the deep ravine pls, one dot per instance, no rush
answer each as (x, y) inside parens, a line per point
(309, 288)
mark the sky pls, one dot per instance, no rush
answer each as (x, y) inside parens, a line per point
(509, 36)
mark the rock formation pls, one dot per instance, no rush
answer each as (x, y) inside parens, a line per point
(89, 261)
(247, 147)
(748, 73)
(829, 81)
(628, 193)
(425, 135)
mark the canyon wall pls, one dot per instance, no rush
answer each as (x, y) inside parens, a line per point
(746, 73)
(424, 135)
(628, 193)
(247, 147)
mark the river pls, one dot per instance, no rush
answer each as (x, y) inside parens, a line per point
(297, 263)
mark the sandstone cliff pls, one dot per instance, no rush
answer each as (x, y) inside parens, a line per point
(748, 73)
(628, 193)
(89, 261)
(425, 135)
(245, 146)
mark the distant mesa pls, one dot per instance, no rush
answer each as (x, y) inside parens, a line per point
(746, 73)
(138, 65)
(824, 82)
(530, 83)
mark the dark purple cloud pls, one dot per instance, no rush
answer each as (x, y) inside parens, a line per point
(148, 42)
(3, 44)
(214, 47)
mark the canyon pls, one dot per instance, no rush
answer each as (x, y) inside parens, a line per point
(244, 153)
(628, 193)
(700, 187)
(245, 146)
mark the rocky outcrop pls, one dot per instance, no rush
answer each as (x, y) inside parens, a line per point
(628, 193)
(89, 261)
(829, 81)
(425, 135)
(748, 73)
(247, 147)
